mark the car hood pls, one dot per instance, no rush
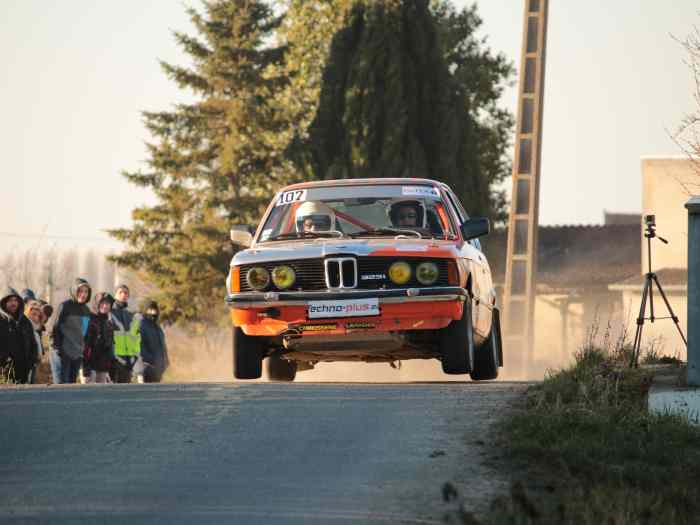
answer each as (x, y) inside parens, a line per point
(319, 248)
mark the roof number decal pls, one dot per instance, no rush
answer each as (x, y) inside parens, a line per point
(419, 191)
(289, 197)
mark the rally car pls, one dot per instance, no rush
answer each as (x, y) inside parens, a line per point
(374, 270)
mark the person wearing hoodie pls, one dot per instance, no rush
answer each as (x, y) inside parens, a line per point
(99, 341)
(68, 333)
(127, 337)
(32, 311)
(154, 351)
(17, 342)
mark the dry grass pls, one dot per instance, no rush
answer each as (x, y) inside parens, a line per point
(585, 449)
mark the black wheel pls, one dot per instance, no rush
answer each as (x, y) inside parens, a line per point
(247, 355)
(487, 358)
(457, 343)
(279, 369)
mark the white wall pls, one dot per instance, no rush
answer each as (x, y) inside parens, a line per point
(668, 184)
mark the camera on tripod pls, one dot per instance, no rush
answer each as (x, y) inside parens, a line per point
(651, 279)
(650, 223)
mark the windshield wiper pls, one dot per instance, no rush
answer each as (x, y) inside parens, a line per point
(306, 235)
(386, 231)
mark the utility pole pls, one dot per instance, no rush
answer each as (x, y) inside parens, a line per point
(523, 221)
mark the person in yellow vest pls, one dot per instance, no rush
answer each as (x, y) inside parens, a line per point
(127, 337)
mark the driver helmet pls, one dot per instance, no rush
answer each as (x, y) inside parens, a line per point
(398, 208)
(314, 216)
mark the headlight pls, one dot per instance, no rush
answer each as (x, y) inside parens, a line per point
(258, 278)
(283, 277)
(400, 272)
(427, 273)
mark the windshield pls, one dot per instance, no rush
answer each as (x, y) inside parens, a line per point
(358, 211)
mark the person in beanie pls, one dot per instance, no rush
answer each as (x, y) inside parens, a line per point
(17, 342)
(32, 311)
(27, 295)
(154, 351)
(99, 341)
(127, 337)
(68, 334)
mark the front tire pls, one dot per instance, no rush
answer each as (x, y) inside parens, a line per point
(247, 355)
(279, 369)
(488, 356)
(457, 343)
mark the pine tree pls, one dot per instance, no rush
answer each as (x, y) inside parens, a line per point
(210, 163)
(306, 33)
(409, 91)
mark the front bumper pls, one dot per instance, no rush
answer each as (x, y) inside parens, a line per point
(399, 295)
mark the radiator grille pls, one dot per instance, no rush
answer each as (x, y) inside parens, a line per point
(371, 273)
(371, 268)
(309, 274)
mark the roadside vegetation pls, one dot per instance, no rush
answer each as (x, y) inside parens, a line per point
(585, 449)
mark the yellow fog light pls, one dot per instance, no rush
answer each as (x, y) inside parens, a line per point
(427, 273)
(283, 277)
(400, 272)
(258, 278)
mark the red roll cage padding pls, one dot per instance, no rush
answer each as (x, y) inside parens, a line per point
(354, 221)
(290, 226)
(442, 214)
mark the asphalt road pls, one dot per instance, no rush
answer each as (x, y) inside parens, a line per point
(246, 453)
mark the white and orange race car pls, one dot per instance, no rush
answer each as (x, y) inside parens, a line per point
(363, 270)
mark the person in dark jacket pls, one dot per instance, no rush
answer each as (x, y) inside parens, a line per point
(68, 334)
(127, 337)
(154, 351)
(99, 341)
(17, 340)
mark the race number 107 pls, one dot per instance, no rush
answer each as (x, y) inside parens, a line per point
(288, 197)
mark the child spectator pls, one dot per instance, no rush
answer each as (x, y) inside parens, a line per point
(33, 312)
(46, 313)
(17, 343)
(154, 351)
(68, 334)
(127, 337)
(99, 341)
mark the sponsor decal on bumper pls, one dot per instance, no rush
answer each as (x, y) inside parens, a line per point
(360, 326)
(344, 308)
(318, 327)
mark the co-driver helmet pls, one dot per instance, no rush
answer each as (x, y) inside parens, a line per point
(320, 214)
(397, 205)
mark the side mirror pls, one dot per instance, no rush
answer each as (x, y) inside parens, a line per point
(474, 228)
(242, 235)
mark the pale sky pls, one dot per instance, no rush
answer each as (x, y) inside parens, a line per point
(76, 74)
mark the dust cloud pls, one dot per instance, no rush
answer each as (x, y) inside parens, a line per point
(597, 318)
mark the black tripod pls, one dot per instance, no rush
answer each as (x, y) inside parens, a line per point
(648, 293)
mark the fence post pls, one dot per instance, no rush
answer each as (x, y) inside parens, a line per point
(693, 207)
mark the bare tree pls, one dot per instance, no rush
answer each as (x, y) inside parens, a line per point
(688, 134)
(66, 272)
(8, 269)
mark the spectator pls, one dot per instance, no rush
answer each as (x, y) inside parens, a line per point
(27, 295)
(127, 337)
(68, 334)
(99, 341)
(17, 343)
(32, 311)
(46, 313)
(154, 351)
